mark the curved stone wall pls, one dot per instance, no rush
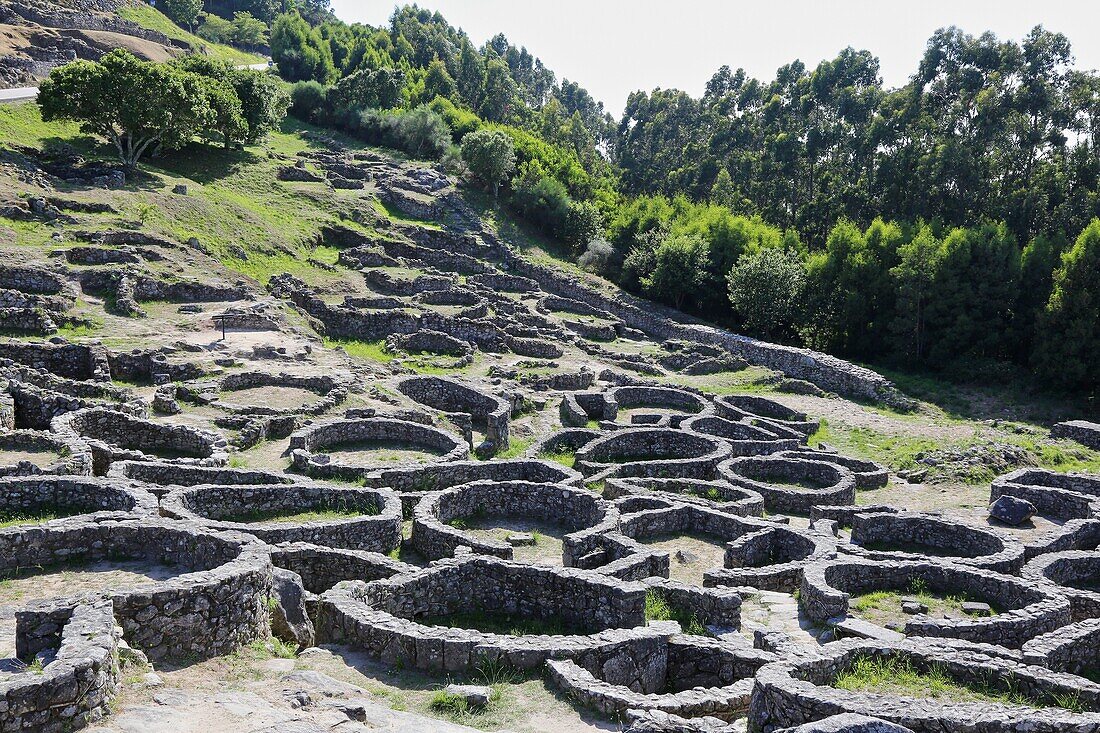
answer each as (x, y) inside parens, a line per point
(115, 436)
(307, 446)
(71, 496)
(693, 677)
(771, 559)
(720, 495)
(744, 438)
(452, 396)
(1058, 495)
(574, 509)
(71, 456)
(78, 686)
(797, 691)
(1076, 573)
(652, 452)
(373, 524)
(912, 536)
(791, 485)
(1023, 610)
(217, 604)
(386, 618)
(754, 407)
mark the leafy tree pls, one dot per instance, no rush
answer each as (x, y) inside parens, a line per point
(226, 119)
(215, 29)
(914, 277)
(248, 31)
(490, 155)
(183, 12)
(379, 89)
(261, 100)
(499, 95)
(679, 267)
(1038, 263)
(135, 105)
(850, 292)
(424, 132)
(1068, 349)
(470, 78)
(264, 101)
(969, 315)
(438, 82)
(300, 52)
(765, 289)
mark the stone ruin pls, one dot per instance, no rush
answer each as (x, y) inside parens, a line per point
(569, 517)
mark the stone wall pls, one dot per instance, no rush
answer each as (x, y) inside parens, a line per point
(77, 687)
(377, 527)
(215, 606)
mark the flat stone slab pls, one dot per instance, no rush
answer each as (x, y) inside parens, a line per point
(857, 627)
(476, 696)
(521, 539)
(973, 608)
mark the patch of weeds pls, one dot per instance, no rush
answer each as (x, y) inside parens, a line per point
(370, 350)
(515, 448)
(902, 676)
(657, 608)
(564, 457)
(449, 704)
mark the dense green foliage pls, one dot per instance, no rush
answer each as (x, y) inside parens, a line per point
(926, 226)
(140, 106)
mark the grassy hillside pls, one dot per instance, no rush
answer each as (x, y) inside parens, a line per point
(149, 17)
(251, 224)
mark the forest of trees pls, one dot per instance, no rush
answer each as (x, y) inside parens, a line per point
(948, 225)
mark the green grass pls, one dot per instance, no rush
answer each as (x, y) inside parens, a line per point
(322, 514)
(657, 608)
(149, 17)
(498, 623)
(901, 676)
(516, 448)
(564, 457)
(369, 350)
(14, 519)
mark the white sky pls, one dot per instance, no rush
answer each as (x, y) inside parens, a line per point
(612, 47)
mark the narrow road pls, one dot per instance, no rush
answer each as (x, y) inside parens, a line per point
(21, 94)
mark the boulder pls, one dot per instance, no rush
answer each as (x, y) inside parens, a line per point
(476, 696)
(1010, 510)
(289, 621)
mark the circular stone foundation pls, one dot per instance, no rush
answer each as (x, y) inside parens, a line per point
(1077, 575)
(1057, 495)
(869, 475)
(263, 393)
(744, 439)
(797, 691)
(31, 500)
(912, 536)
(693, 677)
(792, 485)
(215, 602)
(720, 495)
(1020, 610)
(435, 534)
(676, 404)
(349, 449)
(526, 614)
(762, 411)
(654, 452)
(116, 436)
(331, 516)
(771, 559)
(32, 452)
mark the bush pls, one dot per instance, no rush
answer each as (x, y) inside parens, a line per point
(765, 289)
(308, 101)
(598, 257)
